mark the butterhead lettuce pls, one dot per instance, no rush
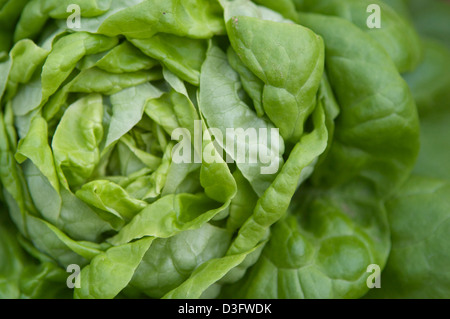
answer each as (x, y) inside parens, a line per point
(222, 149)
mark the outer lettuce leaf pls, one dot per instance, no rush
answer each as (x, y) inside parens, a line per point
(44, 281)
(183, 56)
(400, 6)
(293, 81)
(16, 195)
(10, 11)
(420, 226)
(377, 112)
(5, 68)
(65, 53)
(396, 35)
(37, 12)
(285, 7)
(197, 19)
(169, 262)
(111, 271)
(53, 242)
(431, 19)
(63, 210)
(434, 155)
(430, 81)
(321, 252)
(26, 57)
(22, 277)
(12, 258)
(206, 275)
